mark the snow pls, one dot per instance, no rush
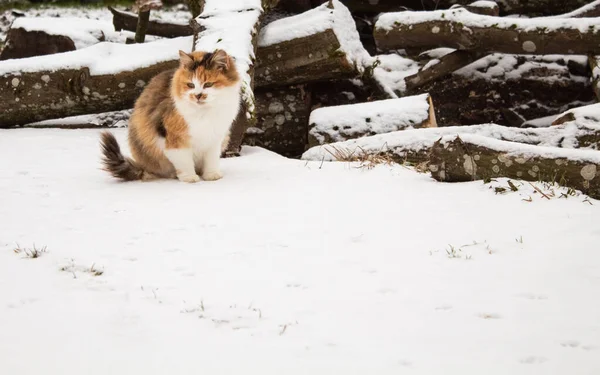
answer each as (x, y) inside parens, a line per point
(545, 139)
(214, 7)
(388, 21)
(588, 115)
(484, 4)
(339, 123)
(502, 67)
(391, 71)
(177, 14)
(339, 19)
(82, 31)
(286, 267)
(579, 12)
(116, 119)
(102, 58)
(542, 122)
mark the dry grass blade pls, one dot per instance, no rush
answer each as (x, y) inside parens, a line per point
(539, 191)
(366, 159)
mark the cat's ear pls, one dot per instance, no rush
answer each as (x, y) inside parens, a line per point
(221, 60)
(185, 59)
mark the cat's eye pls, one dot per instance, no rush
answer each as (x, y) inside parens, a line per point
(190, 85)
(208, 84)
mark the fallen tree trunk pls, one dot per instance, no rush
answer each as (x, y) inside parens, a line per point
(460, 29)
(529, 7)
(38, 36)
(128, 21)
(101, 78)
(116, 119)
(321, 44)
(584, 116)
(414, 146)
(471, 157)
(509, 89)
(589, 10)
(282, 120)
(595, 69)
(240, 42)
(340, 123)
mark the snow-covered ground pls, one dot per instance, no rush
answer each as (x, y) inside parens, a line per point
(286, 267)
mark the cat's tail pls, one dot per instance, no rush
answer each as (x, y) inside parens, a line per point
(121, 167)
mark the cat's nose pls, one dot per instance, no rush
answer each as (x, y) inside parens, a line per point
(199, 96)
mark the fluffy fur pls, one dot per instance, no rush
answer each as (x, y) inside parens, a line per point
(180, 123)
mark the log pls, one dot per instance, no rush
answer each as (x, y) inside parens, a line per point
(585, 116)
(240, 42)
(460, 29)
(530, 86)
(128, 21)
(414, 146)
(142, 26)
(594, 62)
(116, 119)
(529, 7)
(471, 157)
(282, 120)
(101, 78)
(321, 44)
(439, 68)
(62, 95)
(589, 10)
(484, 7)
(340, 123)
(36, 36)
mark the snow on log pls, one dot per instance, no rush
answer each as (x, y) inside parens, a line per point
(588, 115)
(415, 145)
(589, 10)
(282, 120)
(233, 26)
(461, 29)
(438, 68)
(128, 21)
(35, 36)
(101, 78)
(115, 119)
(340, 123)
(530, 86)
(483, 7)
(320, 44)
(472, 157)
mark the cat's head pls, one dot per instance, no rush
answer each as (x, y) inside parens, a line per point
(202, 76)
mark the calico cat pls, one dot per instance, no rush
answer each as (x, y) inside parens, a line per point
(180, 123)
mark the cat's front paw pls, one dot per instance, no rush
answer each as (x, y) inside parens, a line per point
(212, 176)
(191, 178)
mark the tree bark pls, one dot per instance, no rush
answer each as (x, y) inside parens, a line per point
(341, 123)
(460, 29)
(42, 95)
(282, 120)
(128, 21)
(315, 56)
(414, 146)
(595, 69)
(22, 43)
(469, 158)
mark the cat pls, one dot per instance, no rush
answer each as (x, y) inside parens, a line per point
(180, 123)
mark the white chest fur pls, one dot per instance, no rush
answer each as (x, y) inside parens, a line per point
(209, 123)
